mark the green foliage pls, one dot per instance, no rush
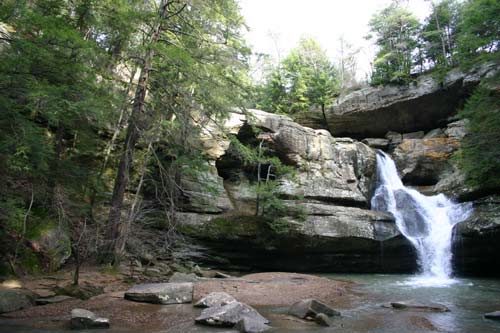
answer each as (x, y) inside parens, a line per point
(269, 169)
(479, 156)
(66, 91)
(305, 78)
(439, 33)
(395, 31)
(479, 32)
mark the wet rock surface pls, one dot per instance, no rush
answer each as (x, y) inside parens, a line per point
(161, 293)
(247, 325)
(83, 319)
(493, 315)
(215, 299)
(410, 305)
(229, 315)
(310, 308)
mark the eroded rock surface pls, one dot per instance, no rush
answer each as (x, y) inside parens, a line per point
(327, 196)
(421, 106)
(83, 319)
(161, 293)
(215, 299)
(229, 315)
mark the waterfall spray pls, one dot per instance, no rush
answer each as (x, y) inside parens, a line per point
(426, 221)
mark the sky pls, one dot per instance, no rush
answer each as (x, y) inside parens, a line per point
(324, 20)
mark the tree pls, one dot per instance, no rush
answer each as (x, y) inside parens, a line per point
(347, 64)
(304, 79)
(439, 33)
(53, 100)
(198, 54)
(395, 31)
(479, 156)
(479, 32)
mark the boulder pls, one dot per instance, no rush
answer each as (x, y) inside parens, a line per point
(52, 300)
(376, 143)
(410, 305)
(493, 315)
(161, 293)
(84, 319)
(15, 299)
(54, 242)
(323, 320)
(215, 299)
(248, 325)
(310, 308)
(229, 315)
(423, 104)
(178, 277)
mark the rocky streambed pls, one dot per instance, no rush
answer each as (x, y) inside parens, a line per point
(360, 303)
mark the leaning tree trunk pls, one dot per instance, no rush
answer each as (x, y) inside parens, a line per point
(137, 123)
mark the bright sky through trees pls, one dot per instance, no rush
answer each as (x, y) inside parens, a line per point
(324, 20)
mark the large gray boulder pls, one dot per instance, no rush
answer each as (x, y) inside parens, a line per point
(229, 315)
(426, 307)
(15, 299)
(161, 293)
(248, 325)
(215, 299)
(424, 104)
(310, 308)
(84, 319)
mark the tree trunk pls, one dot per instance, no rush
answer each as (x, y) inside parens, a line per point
(136, 124)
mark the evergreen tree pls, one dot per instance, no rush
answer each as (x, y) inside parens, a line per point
(395, 31)
(479, 32)
(439, 33)
(305, 78)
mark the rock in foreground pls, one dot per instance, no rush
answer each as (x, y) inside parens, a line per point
(493, 315)
(431, 307)
(15, 299)
(310, 308)
(161, 293)
(247, 325)
(229, 315)
(215, 299)
(52, 300)
(83, 319)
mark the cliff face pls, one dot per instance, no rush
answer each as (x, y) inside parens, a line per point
(331, 186)
(421, 106)
(333, 182)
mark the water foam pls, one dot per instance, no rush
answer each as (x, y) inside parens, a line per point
(427, 221)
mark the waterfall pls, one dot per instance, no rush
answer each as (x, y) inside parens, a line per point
(427, 221)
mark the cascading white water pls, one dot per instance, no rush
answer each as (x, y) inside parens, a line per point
(427, 221)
